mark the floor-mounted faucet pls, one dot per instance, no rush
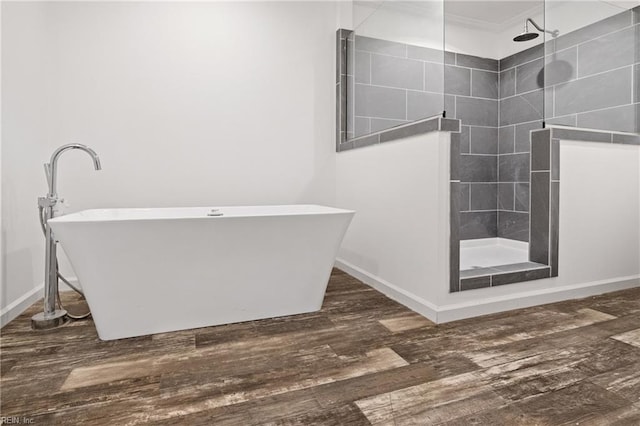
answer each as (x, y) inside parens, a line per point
(52, 317)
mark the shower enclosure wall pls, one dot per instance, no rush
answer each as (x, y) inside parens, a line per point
(582, 71)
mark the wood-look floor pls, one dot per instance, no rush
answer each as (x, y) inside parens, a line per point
(363, 359)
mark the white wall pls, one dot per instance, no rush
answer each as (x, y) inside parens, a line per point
(23, 135)
(186, 103)
(399, 230)
(398, 240)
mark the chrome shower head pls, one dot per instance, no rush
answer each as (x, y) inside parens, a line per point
(525, 36)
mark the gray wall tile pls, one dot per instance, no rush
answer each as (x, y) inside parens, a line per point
(350, 55)
(465, 201)
(549, 102)
(477, 62)
(449, 58)
(381, 46)
(464, 140)
(341, 122)
(508, 83)
(484, 196)
(454, 237)
(397, 72)
(541, 150)
(577, 134)
(477, 112)
(378, 124)
(345, 146)
(478, 168)
(506, 139)
(423, 104)
(363, 67)
(450, 105)
(539, 244)
(478, 225)
(410, 130)
(605, 90)
(554, 226)
(519, 58)
(613, 23)
(521, 108)
(530, 76)
(625, 139)
(513, 225)
(381, 102)
(341, 47)
(521, 202)
(621, 119)
(523, 135)
(561, 67)
(484, 84)
(425, 54)
(475, 283)
(565, 120)
(366, 141)
(363, 126)
(518, 277)
(433, 77)
(513, 168)
(608, 52)
(454, 156)
(341, 108)
(449, 124)
(636, 81)
(457, 80)
(515, 267)
(555, 159)
(483, 140)
(506, 194)
(478, 272)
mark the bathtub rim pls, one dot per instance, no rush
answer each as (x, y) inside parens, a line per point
(143, 214)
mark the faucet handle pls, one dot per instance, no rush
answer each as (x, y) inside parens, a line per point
(45, 202)
(60, 206)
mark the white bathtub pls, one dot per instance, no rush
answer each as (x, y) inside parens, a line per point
(148, 271)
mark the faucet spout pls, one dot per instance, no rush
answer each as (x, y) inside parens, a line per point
(51, 168)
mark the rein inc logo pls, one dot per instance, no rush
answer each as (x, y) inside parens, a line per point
(16, 420)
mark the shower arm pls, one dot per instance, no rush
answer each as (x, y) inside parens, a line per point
(553, 33)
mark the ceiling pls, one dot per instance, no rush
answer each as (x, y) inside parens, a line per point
(495, 14)
(490, 15)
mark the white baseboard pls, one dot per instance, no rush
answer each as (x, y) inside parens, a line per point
(410, 300)
(490, 305)
(14, 309)
(453, 312)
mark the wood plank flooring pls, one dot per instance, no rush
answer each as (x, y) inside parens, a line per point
(363, 359)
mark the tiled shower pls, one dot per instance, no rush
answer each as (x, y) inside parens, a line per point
(588, 77)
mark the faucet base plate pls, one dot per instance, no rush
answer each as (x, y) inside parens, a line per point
(56, 319)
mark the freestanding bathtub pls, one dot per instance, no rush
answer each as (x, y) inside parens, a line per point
(146, 271)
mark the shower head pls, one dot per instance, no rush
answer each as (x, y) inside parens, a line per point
(525, 36)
